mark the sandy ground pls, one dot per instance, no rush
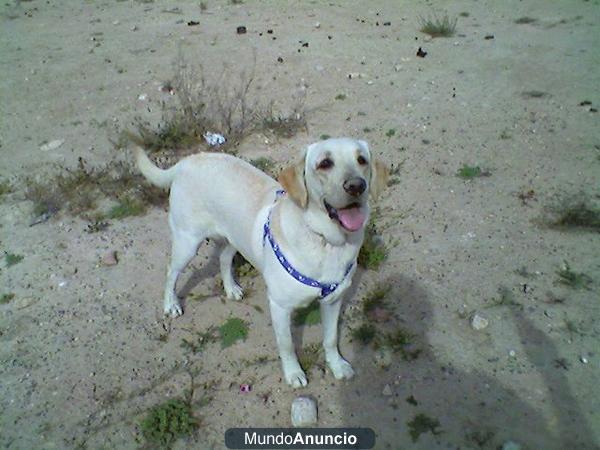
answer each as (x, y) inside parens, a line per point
(85, 351)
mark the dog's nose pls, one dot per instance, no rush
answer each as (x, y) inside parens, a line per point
(355, 186)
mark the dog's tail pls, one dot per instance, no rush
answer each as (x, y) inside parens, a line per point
(155, 175)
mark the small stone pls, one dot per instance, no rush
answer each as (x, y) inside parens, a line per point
(304, 412)
(317, 25)
(512, 353)
(387, 390)
(241, 30)
(110, 258)
(142, 97)
(52, 145)
(511, 445)
(583, 359)
(397, 67)
(479, 322)
(134, 28)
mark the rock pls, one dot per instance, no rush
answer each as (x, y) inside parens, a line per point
(511, 445)
(387, 391)
(110, 258)
(478, 322)
(583, 359)
(512, 353)
(52, 145)
(304, 412)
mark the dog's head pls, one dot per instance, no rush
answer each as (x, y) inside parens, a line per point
(337, 176)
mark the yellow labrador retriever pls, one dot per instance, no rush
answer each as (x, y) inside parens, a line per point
(303, 234)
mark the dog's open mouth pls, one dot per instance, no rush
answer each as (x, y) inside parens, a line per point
(351, 217)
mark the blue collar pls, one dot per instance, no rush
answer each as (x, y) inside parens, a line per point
(326, 288)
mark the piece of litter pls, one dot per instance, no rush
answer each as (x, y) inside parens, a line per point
(244, 388)
(52, 145)
(387, 390)
(142, 97)
(214, 139)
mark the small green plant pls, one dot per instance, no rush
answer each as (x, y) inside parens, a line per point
(467, 172)
(422, 423)
(267, 165)
(233, 330)
(573, 279)
(574, 212)
(435, 26)
(6, 298)
(324, 137)
(309, 315)
(12, 259)
(202, 340)
(534, 94)
(5, 188)
(127, 207)
(375, 299)
(365, 334)
(373, 251)
(367, 130)
(243, 268)
(167, 422)
(464, 14)
(505, 134)
(390, 132)
(525, 20)
(401, 341)
(309, 357)
(340, 97)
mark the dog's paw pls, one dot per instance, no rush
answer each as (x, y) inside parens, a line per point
(173, 310)
(234, 292)
(295, 377)
(341, 369)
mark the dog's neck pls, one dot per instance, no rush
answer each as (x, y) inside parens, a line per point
(319, 226)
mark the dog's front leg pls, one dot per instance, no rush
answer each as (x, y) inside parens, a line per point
(330, 312)
(293, 373)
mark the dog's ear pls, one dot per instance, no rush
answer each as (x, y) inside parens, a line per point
(379, 178)
(292, 180)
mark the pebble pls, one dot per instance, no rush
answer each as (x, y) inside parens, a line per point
(512, 353)
(110, 258)
(511, 445)
(304, 412)
(142, 97)
(583, 359)
(479, 322)
(52, 145)
(387, 390)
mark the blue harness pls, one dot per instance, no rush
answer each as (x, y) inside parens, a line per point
(326, 288)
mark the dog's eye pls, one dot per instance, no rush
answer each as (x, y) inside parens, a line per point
(361, 160)
(325, 164)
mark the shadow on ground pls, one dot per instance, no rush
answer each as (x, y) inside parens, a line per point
(473, 409)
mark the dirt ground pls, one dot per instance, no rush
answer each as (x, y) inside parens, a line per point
(85, 351)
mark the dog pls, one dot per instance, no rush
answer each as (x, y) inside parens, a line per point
(302, 233)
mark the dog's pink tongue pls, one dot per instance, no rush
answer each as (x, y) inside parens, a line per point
(351, 218)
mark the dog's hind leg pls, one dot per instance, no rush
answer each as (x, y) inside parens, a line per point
(232, 289)
(183, 249)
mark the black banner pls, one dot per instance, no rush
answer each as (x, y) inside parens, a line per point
(300, 438)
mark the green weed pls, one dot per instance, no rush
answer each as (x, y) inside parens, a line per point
(390, 132)
(309, 357)
(467, 172)
(167, 422)
(574, 280)
(6, 298)
(574, 212)
(11, 259)
(309, 315)
(233, 330)
(422, 423)
(435, 26)
(373, 251)
(365, 333)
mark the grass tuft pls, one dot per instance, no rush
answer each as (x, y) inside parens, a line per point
(309, 357)
(233, 330)
(574, 280)
(422, 423)
(6, 298)
(167, 422)
(310, 315)
(467, 172)
(11, 259)
(574, 212)
(365, 333)
(435, 26)
(373, 251)
(525, 20)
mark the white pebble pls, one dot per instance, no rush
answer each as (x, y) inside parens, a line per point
(304, 412)
(479, 322)
(52, 145)
(584, 360)
(387, 390)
